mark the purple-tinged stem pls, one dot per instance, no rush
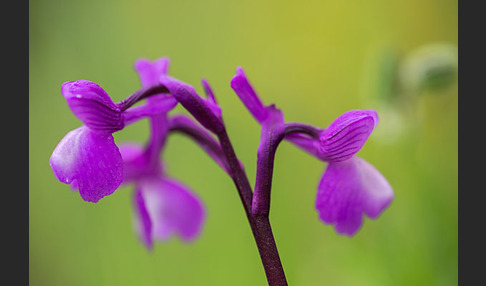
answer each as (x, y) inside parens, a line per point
(141, 94)
(260, 224)
(208, 114)
(272, 133)
(238, 175)
(262, 231)
(301, 128)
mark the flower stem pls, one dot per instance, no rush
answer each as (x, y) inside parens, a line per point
(260, 224)
(301, 128)
(272, 133)
(141, 94)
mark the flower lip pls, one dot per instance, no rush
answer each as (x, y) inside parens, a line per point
(165, 207)
(90, 161)
(93, 106)
(350, 189)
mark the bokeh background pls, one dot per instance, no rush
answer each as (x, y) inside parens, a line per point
(315, 60)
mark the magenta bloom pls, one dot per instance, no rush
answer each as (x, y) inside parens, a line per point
(350, 187)
(87, 157)
(163, 206)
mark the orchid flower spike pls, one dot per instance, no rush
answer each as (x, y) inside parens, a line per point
(350, 187)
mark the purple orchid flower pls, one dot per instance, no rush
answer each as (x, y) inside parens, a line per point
(350, 187)
(163, 206)
(87, 157)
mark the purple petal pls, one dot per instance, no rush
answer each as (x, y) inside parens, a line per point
(346, 135)
(350, 189)
(143, 223)
(91, 160)
(173, 208)
(136, 163)
(202, 109)
(248, 95)
(93, 106)
(150, 72)
(159, 131)
(342, 139)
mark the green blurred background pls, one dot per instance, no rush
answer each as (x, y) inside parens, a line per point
(315, 60)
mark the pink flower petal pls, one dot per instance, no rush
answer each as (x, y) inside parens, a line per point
(173, 209)
(248, 95)
(89, 159)
(349, 189)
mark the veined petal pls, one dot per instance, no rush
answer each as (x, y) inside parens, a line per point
(93, 106)
(248, 95)
(173, 209)
(149, 72)
(202, 109)
(346, 135)
(349, 189)
(91, 160)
